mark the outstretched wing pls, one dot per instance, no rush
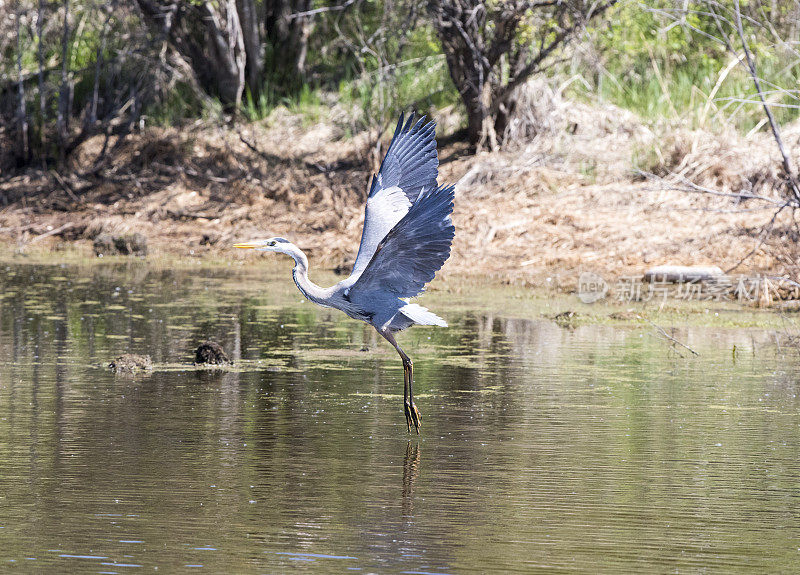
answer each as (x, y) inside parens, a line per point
(414, 250)
(410, 165)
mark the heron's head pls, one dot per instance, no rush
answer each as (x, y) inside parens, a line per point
(280, 245)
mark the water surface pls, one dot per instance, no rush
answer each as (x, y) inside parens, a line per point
(593, 448)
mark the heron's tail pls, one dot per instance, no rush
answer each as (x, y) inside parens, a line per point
(421, 315)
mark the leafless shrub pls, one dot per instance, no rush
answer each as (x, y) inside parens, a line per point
(377, 44)
(489, 56)
(733, 28)
(49, 109)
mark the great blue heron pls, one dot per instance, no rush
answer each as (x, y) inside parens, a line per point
(406, 240)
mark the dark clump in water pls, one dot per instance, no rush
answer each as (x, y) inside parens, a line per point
(210, 353)
(131, 363)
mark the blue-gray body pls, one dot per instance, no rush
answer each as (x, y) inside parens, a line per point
(406, 240)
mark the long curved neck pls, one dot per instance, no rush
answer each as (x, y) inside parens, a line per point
(312, 291)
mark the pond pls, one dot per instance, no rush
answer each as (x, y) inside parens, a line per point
(591, 447)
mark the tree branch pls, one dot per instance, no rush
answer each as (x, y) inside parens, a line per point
(336, 8)
(533, 66)
(751, 67)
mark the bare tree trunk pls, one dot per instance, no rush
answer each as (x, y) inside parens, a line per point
(253, 45)
(488, 57)
(65, 94)
(91, 117)
(42, 94)
(22, 115)
(288, 35)
(208, 35)
(460, 26)
(226, 49)
(476, 114)
(471, 78)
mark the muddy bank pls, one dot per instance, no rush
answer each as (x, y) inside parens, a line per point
(562, 202)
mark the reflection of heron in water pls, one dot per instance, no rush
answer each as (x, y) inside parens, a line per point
(406, 240)
(410, 474)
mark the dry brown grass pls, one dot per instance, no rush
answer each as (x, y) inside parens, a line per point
(564, 198)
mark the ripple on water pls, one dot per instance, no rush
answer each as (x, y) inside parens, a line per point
(589, 448)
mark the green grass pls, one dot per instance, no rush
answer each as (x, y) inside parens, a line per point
(692, 94)
(306, 102)
(257, 107)
(676, 73)
(176, 106)
(419, 83)
(662, 73)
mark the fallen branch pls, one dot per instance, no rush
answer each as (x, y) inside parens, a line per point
(253, 147)
(687, 185)
(669, 337)
(65, 186)
(53, 232)
(321, 10)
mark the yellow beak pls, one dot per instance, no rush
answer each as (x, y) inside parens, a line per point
(246, 246)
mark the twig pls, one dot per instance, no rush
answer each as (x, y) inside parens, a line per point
(266, 156)
(762, 238)
(669, 337)
(690, 186)
(321, 10)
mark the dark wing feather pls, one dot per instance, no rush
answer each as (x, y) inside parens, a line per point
(414, 250)
(410, 166)
(411, 162)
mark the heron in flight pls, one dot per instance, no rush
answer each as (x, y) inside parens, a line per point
(406, 240)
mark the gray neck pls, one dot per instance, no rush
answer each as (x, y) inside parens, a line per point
(312, 291)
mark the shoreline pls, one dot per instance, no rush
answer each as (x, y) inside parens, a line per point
(454, 290)
(545, 212)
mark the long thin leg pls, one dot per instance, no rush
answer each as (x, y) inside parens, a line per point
(410, 408)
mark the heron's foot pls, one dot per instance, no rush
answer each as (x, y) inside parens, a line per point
(412, 416)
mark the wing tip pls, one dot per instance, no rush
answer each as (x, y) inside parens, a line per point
(416, 123)
(400, 122)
